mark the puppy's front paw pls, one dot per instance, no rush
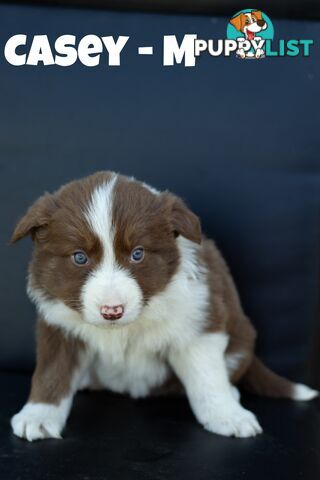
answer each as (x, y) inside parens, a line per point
(259, 53)
(241, 53)
(235, 421)
(37, 421)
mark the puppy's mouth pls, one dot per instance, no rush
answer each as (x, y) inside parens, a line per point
(250, 35)
(112, 318)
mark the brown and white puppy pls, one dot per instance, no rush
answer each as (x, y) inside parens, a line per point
(129, 295)
(250, 24)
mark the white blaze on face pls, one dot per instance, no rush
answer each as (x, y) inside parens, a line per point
(253, 26)
(108, 284)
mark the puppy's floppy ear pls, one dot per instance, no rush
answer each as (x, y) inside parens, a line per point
(257, 14)
(184, 222)
(238, 21)
(35, 220)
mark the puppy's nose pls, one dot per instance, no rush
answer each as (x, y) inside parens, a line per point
(113, 312)
(261, 23)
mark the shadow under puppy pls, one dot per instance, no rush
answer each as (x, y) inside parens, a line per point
(129, 294)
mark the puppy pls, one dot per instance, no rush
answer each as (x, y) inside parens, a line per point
(130, 296)
(249, 24)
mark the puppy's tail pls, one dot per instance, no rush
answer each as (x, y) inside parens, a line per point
(261, 380)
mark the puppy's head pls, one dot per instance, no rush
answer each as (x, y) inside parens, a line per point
(105, 245)
(249, 23)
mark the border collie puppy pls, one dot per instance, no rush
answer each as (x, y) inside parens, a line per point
(132, 298)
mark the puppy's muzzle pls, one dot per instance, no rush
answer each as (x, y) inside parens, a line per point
(261, 23)
(114, 312)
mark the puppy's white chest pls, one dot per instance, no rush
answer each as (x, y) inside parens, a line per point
(128, 368)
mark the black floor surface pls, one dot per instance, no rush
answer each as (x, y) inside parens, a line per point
(113, 437)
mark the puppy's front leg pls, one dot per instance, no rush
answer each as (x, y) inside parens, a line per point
(201, 368)
(54, 383)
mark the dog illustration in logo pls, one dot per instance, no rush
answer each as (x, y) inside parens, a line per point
(249, 24)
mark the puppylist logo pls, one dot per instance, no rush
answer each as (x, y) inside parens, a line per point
(251, 29)
(250, 35)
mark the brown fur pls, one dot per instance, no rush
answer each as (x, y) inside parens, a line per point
(257, 14)
(226, 312)
(57, 359)
(239, 21)
(59, 228)
(141, 218)
(261, 380)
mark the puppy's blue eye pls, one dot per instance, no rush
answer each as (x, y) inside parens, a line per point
(80, 258)
(137, 255)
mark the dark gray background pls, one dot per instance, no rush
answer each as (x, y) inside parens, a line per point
(238, 140)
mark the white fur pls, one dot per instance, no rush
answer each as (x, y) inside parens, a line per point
(201, 367)
(147, 186)
(99, 215)
(235, 393)
(109, 284)
(304, 393)
(253, 27)
(151, 189)
(233, 360)
(41, 420)
(37, 420)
